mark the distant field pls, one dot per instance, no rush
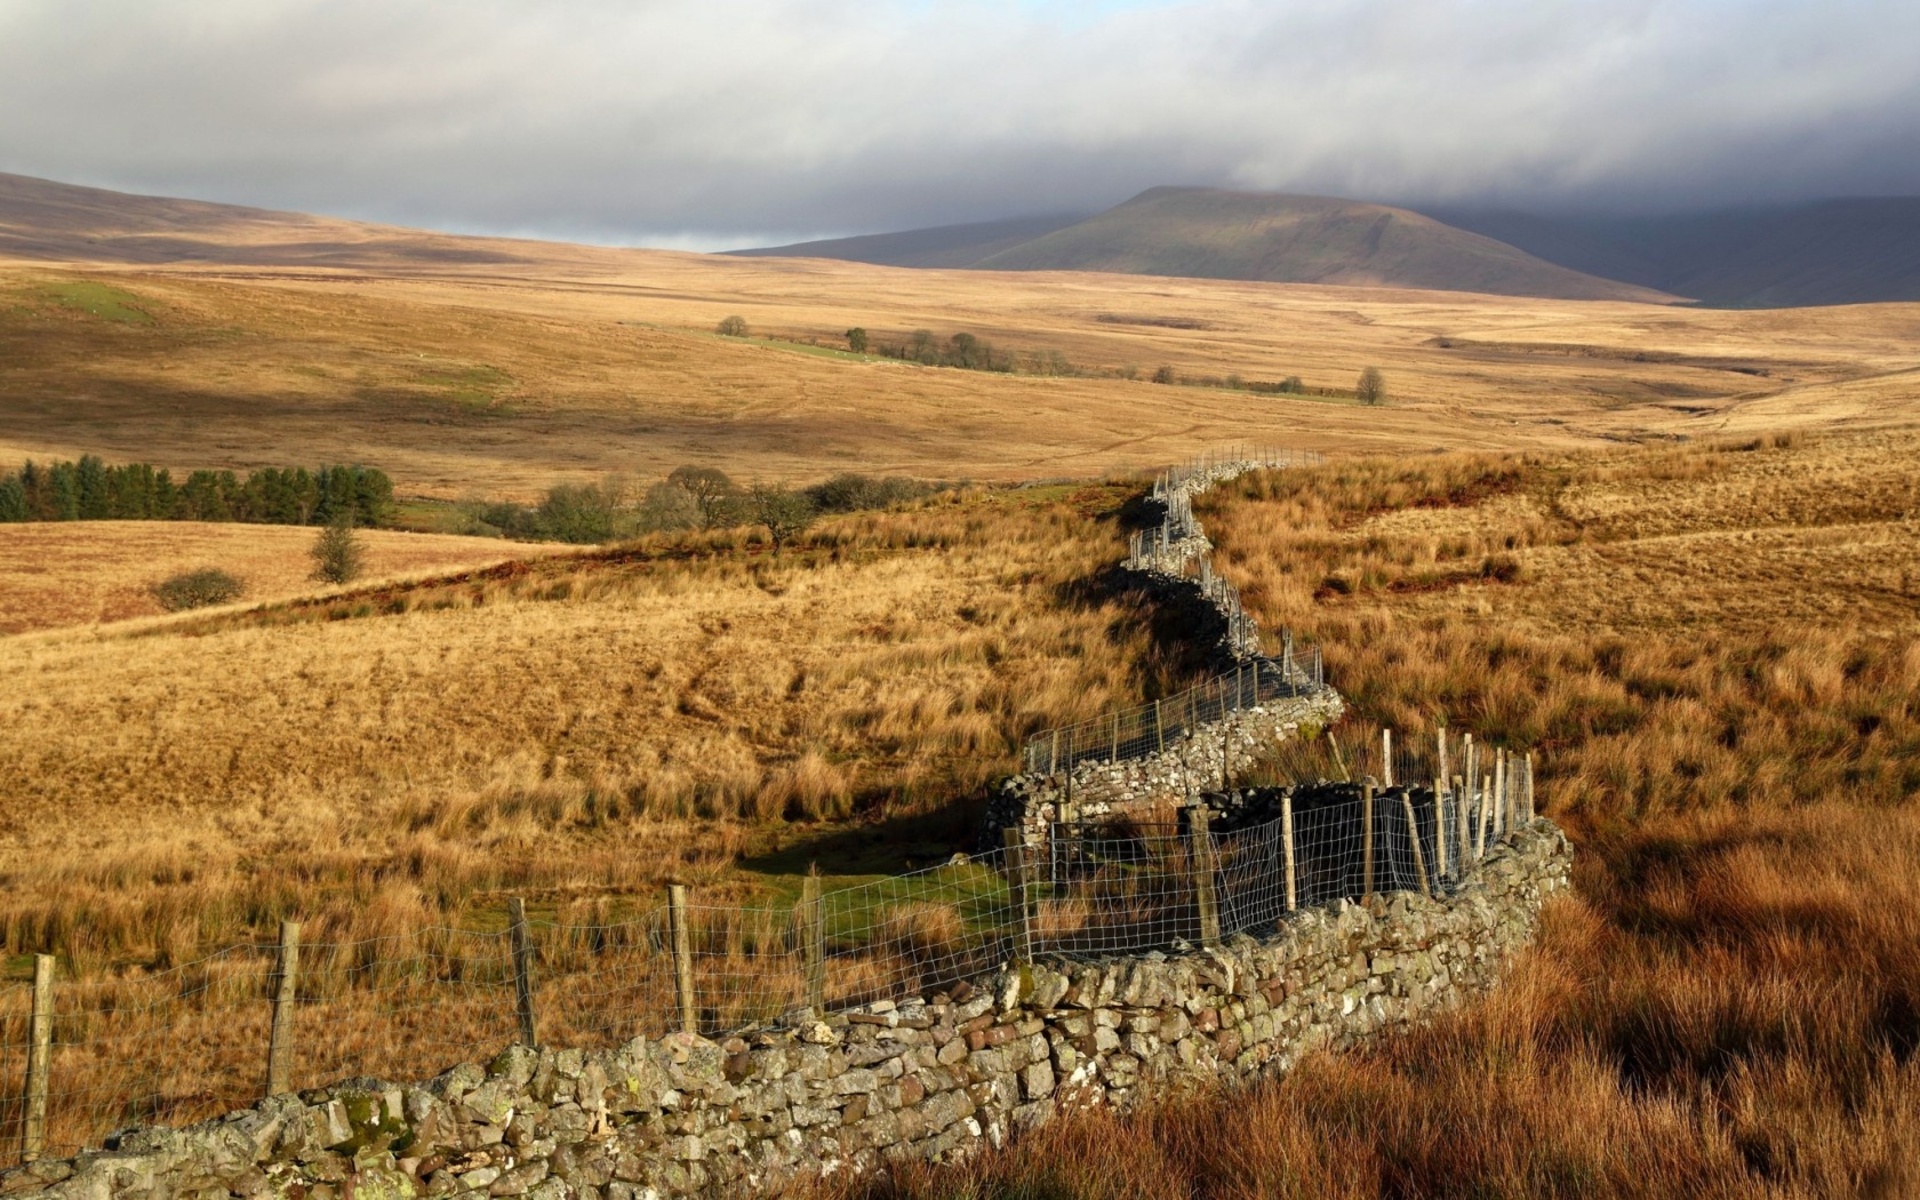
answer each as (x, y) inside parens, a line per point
(85, 572)
(501, 380)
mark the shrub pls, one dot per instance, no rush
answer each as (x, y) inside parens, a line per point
(735, 326)
(338, 554)
(857, 340)
(1163, 374)
(583, 514)
(197, 589)
(783, 513)
(851, 492)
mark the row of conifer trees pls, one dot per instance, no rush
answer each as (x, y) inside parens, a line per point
(90, 490)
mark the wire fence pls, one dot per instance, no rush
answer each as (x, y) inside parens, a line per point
(1129, 733)
(194, 1040)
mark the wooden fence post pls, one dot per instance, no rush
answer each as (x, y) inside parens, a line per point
(813, 941)
(1471, 759)
(1480, 839)
(1053, 760)
(1016, 844)
(1441, 736)
(522, 969)
(1440, 826)
(678, 919)
(33, 1122)
(1366, 842)
(1462, 818)
(1159, 730)
(286, 978)
(1499, 793)
(1286, 844)
(1203, 866)
(1532, 812)
(1413, 836)
(1116, 736)
(1386, 758)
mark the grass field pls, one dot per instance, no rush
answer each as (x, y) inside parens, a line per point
(75, 573)
(1716, 651)
(498, 380)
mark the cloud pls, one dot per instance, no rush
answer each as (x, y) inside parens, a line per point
(638, 120)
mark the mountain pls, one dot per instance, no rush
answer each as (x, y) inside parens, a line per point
(1845, 251)
(940, 246)
(1213, 234)
(62, 222)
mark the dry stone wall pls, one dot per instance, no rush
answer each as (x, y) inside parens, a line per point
(931, 1077)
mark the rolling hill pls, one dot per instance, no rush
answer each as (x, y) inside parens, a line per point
(1846, 251)
(1205, 233)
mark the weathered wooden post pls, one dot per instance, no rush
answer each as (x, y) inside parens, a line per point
(1159, 730)
(678, 920)
(1532, 812)
(1386, 759)
(1366, 841)
(1440, 735)
(813, 941)
(1480, 839)
(1463, 820)
(1499, 793)
(1203, 867)
(1440, 826)
(1016, 844)
(1413, 837)
(1053, 758)
(1116, 736)
(1286, 844)
(286, 975)
(33, 1122)
(522, 969)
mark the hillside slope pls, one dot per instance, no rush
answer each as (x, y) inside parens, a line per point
(1211, 234)
(1847, 251)
(939, 246)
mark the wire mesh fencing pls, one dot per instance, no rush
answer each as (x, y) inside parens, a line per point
(193, 1040)
(1152, 728)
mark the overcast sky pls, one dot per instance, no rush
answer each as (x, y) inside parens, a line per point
(683, 122)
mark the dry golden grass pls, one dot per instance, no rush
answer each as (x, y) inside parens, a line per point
(91, 572)
(1730, 1004)
(582, 726)
(570, 363)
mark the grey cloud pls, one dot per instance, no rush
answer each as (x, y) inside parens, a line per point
(629, 121)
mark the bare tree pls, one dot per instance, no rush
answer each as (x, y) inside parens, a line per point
(712, 493)
(1372, 387)
(734, 326)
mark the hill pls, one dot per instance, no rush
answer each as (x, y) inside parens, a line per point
(1210, 234)
(1846, 251)
(940, 246)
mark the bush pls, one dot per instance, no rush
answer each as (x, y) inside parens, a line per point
(851, 492)
(735, 326)
(338, 554)
(857, 340)
(584, 514)
(197, 589)
(1163, 374)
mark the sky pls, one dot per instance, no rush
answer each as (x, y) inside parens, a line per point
(700, 125)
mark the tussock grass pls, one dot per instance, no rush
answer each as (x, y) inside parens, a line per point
(1730, 1004)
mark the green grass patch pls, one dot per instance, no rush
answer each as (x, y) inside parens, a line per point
(96, 300)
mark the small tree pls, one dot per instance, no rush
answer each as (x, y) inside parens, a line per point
(1371, 388)
(857, 340)
(712, 493)
(1292, 385)
(338, 554)
(783, 513)
(735, 326)
(1164, 374)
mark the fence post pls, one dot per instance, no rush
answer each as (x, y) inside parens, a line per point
(1366, 842)
(1440, 826)
(1203, 865)
(1499, 793)
(1532, 812)
(280, 1036)
(1016, 844)
(1116, 736)
(1480, 839)
(1413, 836)
(1053, 760)
(677, 918)
(1441, 737)
(1286, 844)
(1159, 730)
(1463, 848)
(1386, 758)
(522, 969)
(33, 1122)
(813, 941)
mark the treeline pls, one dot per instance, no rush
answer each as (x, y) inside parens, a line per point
(90, 490)
(963, 350)
(690, 497)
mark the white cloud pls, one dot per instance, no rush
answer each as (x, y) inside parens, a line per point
(671, 118)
